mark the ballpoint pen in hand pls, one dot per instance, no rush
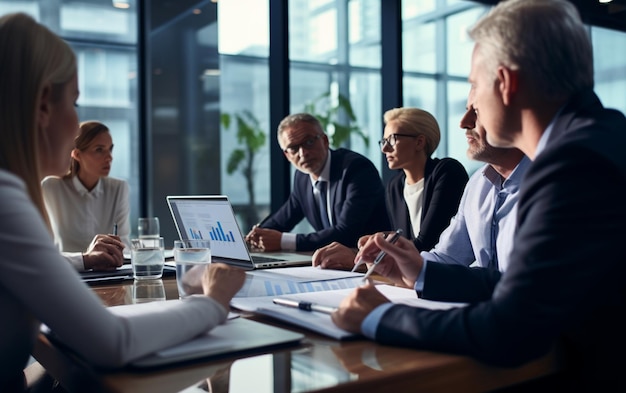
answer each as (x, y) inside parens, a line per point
(381, 254)
(115, 229)
(306, 306)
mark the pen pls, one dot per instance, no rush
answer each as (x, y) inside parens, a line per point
(258, 224)
(115, 229)
(306, 306)
(382, 254)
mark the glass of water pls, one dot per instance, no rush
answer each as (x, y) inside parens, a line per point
(191, 257)
(148, 227)
(147, 258)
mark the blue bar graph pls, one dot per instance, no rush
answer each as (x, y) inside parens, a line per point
(218, 234)
(195, 233)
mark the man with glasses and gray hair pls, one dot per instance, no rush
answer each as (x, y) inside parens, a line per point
(339, 192)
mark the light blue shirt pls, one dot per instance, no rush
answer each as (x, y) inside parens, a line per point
(486, 200)
(467, 240)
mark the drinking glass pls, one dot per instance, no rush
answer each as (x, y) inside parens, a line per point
(147, 258)
(148, 227)
(191, 257)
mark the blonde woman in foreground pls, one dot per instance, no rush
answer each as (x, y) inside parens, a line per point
(39, 123)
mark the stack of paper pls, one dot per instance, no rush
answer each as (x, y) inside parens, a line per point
(320, 322)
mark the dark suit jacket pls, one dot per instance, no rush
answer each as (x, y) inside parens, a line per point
(358, 204)
(444, 182)
(567, 274)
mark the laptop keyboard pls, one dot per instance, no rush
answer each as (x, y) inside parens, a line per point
(262, 259)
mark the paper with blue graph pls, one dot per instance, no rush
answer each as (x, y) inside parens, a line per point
(321, 322)
(292, 280)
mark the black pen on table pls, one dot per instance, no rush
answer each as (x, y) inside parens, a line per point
(306, 306)
(382, 254)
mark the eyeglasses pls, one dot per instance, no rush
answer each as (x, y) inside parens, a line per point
(307, 144)
(393, 139)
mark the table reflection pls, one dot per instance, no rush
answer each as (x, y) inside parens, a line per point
(320, 366)
(144, 291)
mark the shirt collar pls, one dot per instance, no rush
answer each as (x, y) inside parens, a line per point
(543, 141)
(82, 190)
(512, 182)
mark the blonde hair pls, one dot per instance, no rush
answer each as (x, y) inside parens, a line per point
(418, 122)
(33, 58)
(89, 130)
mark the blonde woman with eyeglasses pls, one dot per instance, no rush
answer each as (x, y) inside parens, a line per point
(425, 193)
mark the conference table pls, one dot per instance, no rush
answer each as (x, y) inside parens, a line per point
(317, 364)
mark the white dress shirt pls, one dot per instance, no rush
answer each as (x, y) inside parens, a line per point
(77, 214)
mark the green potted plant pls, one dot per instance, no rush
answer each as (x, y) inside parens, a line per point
(251, 138)
(330, 112)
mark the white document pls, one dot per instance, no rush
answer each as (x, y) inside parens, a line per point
(276, 285)
(320, 322)
(304, 274)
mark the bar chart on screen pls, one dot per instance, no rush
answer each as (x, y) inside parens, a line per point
(219, 234)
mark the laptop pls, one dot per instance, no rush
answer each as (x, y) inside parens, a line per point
(212, 217)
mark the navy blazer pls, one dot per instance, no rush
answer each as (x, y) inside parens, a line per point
(568, 265)
(444, 182)
(358, 204)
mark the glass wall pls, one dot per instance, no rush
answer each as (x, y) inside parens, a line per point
(436, 62)
(183, 105)
(104, 39)
(610, 67)
(245, 101)
(207, 90)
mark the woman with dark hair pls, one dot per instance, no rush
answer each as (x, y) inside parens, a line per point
(86, 204)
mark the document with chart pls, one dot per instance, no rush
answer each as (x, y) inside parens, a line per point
(320, 322)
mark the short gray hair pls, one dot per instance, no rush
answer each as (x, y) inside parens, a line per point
(297, 118)
(544, 39)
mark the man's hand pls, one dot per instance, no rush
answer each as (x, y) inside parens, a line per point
(334, 256)
(104, 253)
(356, 306)
(264, 239)
(221, 282)
(402, 264)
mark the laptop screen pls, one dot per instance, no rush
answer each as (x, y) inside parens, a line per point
(209, 217)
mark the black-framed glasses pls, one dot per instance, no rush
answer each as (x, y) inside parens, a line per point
(393, 139)
(307, 144)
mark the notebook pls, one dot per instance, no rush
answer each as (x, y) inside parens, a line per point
(212, 217)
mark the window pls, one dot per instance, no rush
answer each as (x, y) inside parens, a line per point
(206, 60)
(105, 42)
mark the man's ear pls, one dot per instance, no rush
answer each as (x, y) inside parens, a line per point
(508, 81)
(44, 111)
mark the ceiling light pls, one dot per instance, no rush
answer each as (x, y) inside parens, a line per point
(123, 4)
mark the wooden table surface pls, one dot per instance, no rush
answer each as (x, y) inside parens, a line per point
(319, 364)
